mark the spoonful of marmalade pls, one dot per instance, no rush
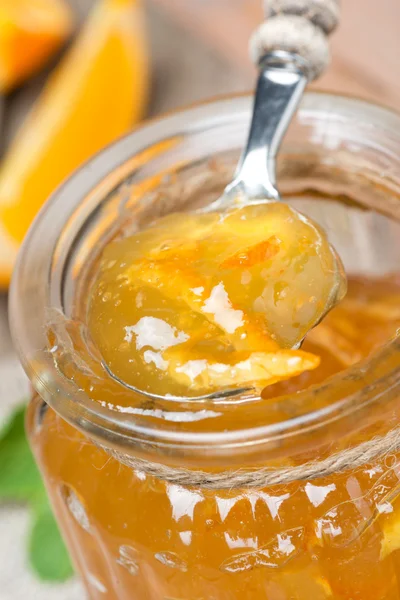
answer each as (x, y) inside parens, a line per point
(200, 302)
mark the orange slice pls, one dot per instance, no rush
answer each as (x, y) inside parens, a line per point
(8, 254)
(30, 32)
(96, 94)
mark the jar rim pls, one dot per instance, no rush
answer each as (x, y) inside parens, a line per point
(96, 179)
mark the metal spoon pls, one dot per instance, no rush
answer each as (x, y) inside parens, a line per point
(280, 87)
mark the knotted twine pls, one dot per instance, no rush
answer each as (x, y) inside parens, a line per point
(353, 458)
(300, 27)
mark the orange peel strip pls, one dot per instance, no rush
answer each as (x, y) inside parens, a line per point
(253, 255)
(381, 310)
(261, 368)
(323, 335)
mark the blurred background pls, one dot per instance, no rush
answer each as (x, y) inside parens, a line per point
(188, 50)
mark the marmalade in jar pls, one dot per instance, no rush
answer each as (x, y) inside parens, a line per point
(191, 306)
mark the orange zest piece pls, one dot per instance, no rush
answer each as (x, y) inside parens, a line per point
(184, 284)
(96, 94)
(30, 32)
(341, 347)
(253, 255)
(258, 368)
(384, 310)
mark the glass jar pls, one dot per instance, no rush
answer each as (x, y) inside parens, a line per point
(329, 530)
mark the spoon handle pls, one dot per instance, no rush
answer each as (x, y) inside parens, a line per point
(281, 83)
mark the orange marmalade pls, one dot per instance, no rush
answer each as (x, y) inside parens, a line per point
(205, 301)
(190, 306)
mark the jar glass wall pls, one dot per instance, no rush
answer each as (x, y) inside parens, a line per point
(135, 535)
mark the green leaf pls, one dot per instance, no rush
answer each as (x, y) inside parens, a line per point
(20, 481)
(47, 553)
(19, 476)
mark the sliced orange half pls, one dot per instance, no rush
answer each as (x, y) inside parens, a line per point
(30, 32)
(96, 94)
(8, 254)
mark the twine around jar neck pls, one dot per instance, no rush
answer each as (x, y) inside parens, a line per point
(345, 460)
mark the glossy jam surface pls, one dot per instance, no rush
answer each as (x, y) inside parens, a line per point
(135, 537)
(201, 302)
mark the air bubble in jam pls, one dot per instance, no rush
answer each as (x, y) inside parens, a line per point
(172, 560)
(76, 507)
(128, 559)
(284, 547)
